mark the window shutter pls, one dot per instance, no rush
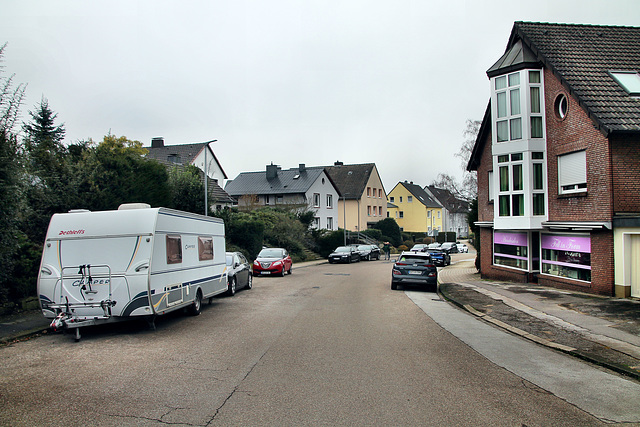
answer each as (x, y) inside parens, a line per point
(572, 168)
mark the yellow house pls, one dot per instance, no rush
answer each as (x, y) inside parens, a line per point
(362, 200)
(413, 209)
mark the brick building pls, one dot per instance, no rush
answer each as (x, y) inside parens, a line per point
(558, 160)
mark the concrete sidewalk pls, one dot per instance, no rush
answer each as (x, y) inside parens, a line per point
(602, 330)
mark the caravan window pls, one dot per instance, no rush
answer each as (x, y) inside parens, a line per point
(174, 249)
(205, 248)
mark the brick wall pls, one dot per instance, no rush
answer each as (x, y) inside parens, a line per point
(485, 209)
(625, 159)
(576, 132)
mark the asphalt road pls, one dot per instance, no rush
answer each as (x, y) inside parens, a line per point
(328, 345)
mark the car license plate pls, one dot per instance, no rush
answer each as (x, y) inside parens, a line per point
(265, 272)
(418, 273)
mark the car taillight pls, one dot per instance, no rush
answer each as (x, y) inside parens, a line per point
(396, 272)
(432, 275)
(401, 263)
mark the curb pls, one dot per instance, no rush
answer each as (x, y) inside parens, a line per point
(19, 336)
(555, 346)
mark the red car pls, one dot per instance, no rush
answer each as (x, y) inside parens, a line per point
(272, 261)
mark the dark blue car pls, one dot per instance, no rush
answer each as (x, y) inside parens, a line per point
(440, 257)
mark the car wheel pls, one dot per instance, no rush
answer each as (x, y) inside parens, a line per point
(349, 260)
(290, 270)
(282, 272)
(250, 282)
(231, 287)
(369, 257)
(194, 309)
(394, 286)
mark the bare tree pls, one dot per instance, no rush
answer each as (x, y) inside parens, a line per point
(468, 189)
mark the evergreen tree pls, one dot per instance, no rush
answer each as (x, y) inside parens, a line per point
(50, 183)
(11, 180)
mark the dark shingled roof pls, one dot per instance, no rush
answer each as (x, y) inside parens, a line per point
(448, 200)
(350, 180)
(216, 193)
(184, 154)
(285, 182)
(422, 196)
(582, 57)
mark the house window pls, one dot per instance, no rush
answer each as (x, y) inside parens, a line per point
(409, 199)
(329, 201)
(428, 214)
(518, 106)
(490, 185)
(392, 199)
(267, 200)
(205, 248)
(629, 80)
(368, 210)
(572, 172)
(396, 214)
(508, 108)
(380, 193)
(279, 198)
(329, 223)
(438, 214)
(401, 214)
(566, 255)
(316, 222)
(316, 200)
(511, 185)
(368, 191)
(561, 106)
(400, 199)
(535, 104)
(538, 201)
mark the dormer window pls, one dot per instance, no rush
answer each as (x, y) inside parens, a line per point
(629, 80)
(173, 158)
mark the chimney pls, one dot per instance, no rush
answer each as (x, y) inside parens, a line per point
(338, 163)
(302, 167)
(157, 142)
(272, 171)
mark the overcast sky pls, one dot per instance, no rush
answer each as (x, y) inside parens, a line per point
(309, 81)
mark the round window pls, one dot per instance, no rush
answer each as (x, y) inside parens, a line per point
(562, 106)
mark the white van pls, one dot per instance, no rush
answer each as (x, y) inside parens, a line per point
(108, 266)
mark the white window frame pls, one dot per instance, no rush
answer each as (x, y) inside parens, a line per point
(329, 201)
(316, 200)
(572, 172)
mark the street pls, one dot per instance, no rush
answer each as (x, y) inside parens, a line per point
(328, 345)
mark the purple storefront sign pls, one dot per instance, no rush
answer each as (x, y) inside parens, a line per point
(566, 243)
(513, 239)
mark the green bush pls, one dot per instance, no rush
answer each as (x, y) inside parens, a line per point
(329, 241)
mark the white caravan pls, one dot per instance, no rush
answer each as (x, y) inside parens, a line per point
(107, 266)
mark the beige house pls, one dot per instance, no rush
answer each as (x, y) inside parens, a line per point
(363, 201)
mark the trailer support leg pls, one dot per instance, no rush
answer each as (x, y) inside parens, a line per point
(151, 320)
(77, 338)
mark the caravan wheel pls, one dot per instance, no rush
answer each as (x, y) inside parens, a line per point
(194, 309)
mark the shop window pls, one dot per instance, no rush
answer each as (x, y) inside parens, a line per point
(566, 256)
(511, 250)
